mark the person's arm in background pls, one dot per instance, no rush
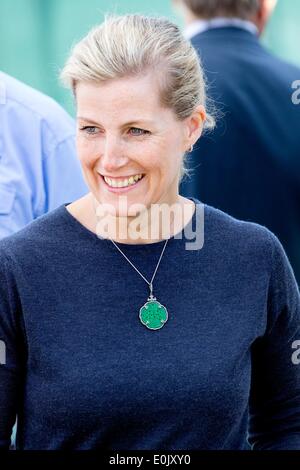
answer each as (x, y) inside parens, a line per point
(39, 168)
(62, 176)
(275, 391)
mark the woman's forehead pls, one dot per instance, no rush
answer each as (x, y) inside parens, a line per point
(122, 100)
(144, 88)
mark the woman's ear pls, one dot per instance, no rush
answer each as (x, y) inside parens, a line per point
(194, 125)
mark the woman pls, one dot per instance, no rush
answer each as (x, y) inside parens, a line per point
(118, 335)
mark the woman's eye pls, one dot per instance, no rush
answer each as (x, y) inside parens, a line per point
(137, 131)
(89, 130)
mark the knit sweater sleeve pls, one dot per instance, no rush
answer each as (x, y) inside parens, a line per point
(274, 422)
(11, 353)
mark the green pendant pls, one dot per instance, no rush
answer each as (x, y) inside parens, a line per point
(153, 314)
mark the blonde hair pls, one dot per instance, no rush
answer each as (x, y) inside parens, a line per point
(130, 45)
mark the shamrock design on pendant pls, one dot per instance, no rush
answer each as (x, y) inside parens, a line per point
(153, 314)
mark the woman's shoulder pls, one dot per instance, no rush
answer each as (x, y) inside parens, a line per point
(220, 222)
(48, 228)
(223, 222)
(244, 245)
(228, 234)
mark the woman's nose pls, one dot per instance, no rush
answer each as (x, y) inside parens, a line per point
(113, 156)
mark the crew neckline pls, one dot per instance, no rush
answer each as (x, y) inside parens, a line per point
(179, 236)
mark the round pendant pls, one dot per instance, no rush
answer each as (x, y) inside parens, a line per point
(153, 315)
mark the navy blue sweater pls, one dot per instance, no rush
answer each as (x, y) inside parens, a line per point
(82, 372)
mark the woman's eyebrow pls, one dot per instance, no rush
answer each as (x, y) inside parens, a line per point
(139, 121)
(130, 123)
(88, 120)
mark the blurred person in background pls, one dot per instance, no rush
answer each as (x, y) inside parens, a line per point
(39, 169)
(250, 166)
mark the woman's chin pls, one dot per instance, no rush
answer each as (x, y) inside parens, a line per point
(123, 204)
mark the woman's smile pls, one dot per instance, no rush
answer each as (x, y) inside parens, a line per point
(123, 183)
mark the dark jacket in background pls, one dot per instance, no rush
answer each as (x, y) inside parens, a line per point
(250, 165)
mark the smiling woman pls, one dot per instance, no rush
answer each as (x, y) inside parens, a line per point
(136, 148)
(140, 106)
(93, 359)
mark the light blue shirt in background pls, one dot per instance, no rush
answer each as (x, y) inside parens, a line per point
(39, 168)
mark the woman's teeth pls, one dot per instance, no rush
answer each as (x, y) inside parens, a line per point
(117, 183)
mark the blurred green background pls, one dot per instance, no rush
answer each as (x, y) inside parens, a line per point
(36, 35)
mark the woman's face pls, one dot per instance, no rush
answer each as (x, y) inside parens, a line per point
(129, 144)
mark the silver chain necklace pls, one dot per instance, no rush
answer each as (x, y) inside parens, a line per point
(152, 314)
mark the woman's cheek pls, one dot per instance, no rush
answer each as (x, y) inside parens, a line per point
(151, 160)
(88, 152)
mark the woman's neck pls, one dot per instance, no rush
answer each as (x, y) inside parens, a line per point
(151, 225)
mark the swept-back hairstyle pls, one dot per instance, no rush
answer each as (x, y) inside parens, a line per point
(130, 45)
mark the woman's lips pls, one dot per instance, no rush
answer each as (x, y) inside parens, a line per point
(121, 190)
